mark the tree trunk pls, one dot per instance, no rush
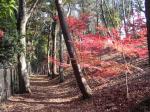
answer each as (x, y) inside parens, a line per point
(109, 14)
(24, 83)
(53, 34)
(48, 55)
(68, 60)
(61, 70)
(23, 64)
(23, 16)
(29, 68)
(102, 14)
(97, 14)
(124, 18)
(147, 14)
(84, 87)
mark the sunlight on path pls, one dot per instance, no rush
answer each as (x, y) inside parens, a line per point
(49, 96)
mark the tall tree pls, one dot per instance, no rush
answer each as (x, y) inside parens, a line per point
(147, 14)
(61, 70)
(54, 41)
(23, 17)
(48, 53)
(82, 83)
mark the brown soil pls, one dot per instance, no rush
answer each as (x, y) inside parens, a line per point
(110, 96)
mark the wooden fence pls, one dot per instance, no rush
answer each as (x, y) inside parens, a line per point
(8, 83)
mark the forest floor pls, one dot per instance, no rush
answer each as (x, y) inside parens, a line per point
(108, 96)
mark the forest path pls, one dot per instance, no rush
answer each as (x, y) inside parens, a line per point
(49, 96)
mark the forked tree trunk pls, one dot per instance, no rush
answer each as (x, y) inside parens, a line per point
(147, 14)
(82, 83)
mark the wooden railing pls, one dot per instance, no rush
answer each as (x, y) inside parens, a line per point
(8, 83)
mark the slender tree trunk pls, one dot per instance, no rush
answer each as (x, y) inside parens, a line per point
(133, 19)
(109, 14)
(53, 34)
(97, 14)
(48, 62)
(69, 10)
(48, 55)
(147, 14)
(82, 83)
(61, 70)
(82, 6)
(124, 18)
(29, 67)
(68, 60)
(103, 15)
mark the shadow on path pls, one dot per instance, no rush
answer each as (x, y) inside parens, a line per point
(49, 96)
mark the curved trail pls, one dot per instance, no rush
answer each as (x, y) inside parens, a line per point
(52, 96)
(49, 96)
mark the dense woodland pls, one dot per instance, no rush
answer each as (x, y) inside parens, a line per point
(76, 55)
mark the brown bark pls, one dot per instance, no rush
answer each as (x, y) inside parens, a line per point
(61, 70)
(48, 55)
(82, 83)
(23, 16)
(54, 36)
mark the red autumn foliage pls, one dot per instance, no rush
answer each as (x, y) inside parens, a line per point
(92, 49)
(76, 25)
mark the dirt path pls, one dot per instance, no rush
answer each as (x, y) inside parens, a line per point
(52, 96)
(49, 96)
